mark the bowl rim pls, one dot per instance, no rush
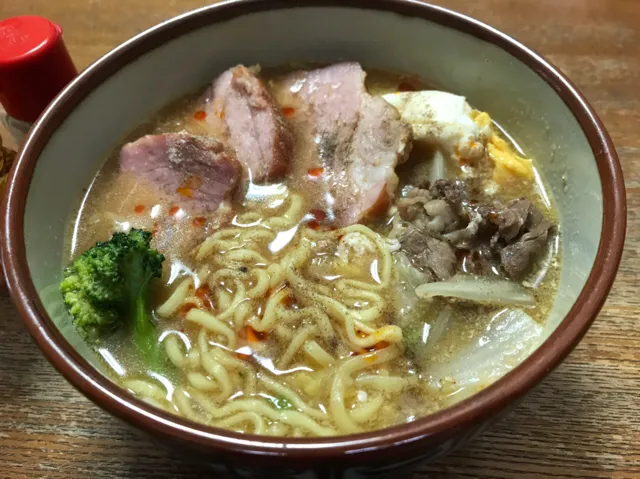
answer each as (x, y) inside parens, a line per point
(364, 446)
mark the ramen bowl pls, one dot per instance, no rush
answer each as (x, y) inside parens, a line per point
(542, 109)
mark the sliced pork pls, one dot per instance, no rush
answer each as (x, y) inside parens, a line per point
(241, 110)
(349, 141)
(196, 170)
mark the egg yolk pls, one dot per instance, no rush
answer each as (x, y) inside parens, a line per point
(507, 163)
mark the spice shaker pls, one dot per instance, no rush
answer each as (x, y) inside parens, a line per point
(34, 67)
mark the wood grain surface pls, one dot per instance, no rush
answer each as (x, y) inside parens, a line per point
(583, 421)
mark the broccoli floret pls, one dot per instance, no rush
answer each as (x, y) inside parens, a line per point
(106, 289)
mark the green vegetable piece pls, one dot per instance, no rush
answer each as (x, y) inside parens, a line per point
(281, 403)
(106, 289)
(413, 340)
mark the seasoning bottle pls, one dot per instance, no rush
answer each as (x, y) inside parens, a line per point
(34, 67)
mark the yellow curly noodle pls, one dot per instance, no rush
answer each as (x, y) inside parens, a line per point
(322, 363)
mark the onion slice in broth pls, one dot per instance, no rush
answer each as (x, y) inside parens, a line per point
(481, 290)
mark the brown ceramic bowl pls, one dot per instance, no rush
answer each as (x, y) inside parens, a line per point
(540, 107)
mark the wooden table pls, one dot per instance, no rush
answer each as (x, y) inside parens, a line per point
(584, 421)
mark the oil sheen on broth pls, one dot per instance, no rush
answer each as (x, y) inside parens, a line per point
(278, 320)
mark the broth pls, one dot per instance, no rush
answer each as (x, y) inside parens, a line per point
(277, 321)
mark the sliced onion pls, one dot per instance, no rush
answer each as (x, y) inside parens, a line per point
(438, 167)
(481, 290)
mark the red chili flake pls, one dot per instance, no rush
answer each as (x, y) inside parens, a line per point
(185, 308)
(139, 209)
(262, 335)
(202, 291)
(174, 210)
(199, 221)
(200, 115)
(315, 172)
(185, 191)
(251, 335)
(314, 225)
(319, 215)
(288, 111)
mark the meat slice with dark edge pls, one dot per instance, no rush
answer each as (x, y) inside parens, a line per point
(355, 140)
(241, 109)
(196, 171)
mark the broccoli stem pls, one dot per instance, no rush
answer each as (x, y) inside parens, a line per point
(144, 334)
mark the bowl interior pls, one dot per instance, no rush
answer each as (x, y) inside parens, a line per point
(491, 78)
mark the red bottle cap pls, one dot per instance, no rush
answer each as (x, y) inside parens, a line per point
(34, 65)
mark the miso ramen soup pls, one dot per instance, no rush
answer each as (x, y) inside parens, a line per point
(313, 252)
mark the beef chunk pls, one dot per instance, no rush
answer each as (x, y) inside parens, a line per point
(479, 261)
(469, 236)
(510, 236)
(511, 219)
(428, 214)
(197, 171)
(517, 257)
(242, 111)
(435, 258)
(454, 192)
